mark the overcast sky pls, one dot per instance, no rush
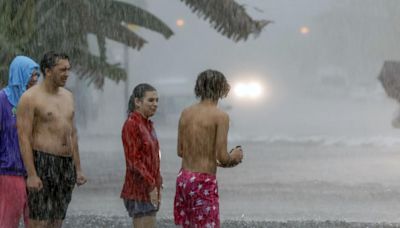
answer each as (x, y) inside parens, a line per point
(319, 83)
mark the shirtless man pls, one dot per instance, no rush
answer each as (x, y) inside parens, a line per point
(49, 145)
(202, 144)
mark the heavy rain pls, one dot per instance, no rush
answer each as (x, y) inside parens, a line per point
(313, 103)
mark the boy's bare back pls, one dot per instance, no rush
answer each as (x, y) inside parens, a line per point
(202, 137)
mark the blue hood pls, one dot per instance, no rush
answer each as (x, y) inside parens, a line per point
(21, 69)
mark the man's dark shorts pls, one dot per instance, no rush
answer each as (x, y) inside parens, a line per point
(58, 177)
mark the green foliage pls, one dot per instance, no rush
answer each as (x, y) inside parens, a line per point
(228, 17)
(17, 26)
(32, 27)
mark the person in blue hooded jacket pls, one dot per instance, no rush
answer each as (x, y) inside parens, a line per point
(23, 74)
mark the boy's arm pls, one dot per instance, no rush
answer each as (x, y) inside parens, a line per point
(180, 137)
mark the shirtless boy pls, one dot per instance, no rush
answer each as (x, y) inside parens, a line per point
(202, 144)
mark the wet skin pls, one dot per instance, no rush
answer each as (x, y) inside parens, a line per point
(45, 122)
(202, 138)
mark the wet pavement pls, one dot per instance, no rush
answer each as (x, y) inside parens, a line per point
(88, 221)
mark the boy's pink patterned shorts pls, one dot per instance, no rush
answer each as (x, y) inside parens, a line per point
(196, 202)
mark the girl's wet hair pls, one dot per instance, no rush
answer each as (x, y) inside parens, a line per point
(50, 59)
(211, 84)
(138, 92)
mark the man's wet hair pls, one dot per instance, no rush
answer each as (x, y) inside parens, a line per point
(211, 84)
(50, 59)
(138, 92)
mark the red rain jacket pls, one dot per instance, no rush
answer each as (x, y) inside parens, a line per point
(142, 158)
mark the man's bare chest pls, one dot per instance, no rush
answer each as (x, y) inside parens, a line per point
(54, 110)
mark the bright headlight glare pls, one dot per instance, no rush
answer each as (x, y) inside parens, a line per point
(241, 90)
(251, 90)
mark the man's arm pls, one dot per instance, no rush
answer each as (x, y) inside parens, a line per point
(25, 114)
(80, 178)
(75, 149)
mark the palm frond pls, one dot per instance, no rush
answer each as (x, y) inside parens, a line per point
(47, 9)
(103, 18)
(228, 17)
(117, 32)
(94, 70)
(128, 13)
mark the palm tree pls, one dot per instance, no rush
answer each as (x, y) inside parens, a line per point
(64, 25)
(33, 26)
(17, 26)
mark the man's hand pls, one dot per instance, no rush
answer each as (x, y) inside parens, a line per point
(154, 199)
(33, 183)
(80, 178)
